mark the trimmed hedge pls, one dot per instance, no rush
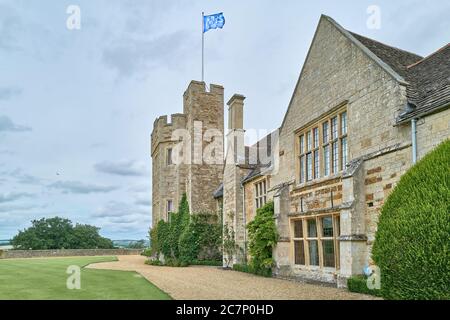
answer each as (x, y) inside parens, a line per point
(250, 269)
(213, 263)
(412, 245)
(358, 284)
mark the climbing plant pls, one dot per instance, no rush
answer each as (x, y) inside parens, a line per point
(201, 239)
(263, 237)
(187, 238)
(229, 246)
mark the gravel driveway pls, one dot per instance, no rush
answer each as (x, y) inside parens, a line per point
(213, 283)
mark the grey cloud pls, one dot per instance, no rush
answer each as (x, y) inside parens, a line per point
(118, 209)
(22, 177)
(7, 93)
(7, 152)
(15, 208)
(130, 56)
(121, 168)
(10, 25)
(80, 187)
(12, 196)
(143, 202)
(7, 125)
(140, 188)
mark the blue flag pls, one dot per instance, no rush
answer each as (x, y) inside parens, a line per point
(213, 21)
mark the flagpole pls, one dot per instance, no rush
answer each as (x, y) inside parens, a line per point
(203, 46)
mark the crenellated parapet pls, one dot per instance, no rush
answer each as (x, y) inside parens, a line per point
(163, 128)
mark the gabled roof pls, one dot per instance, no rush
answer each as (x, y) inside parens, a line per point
(397, 59)
(427, 80)
(391, 59)
(429, 85)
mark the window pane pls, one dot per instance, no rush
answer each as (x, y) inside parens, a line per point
(328, 253)
(312, 229)
(316, 137)
(327, 227)
(302, 144)
(308, 141)
(325, 132)
(338, 226)
(298, 229)
(169, 156)
(326, 160)
(335, 157)
(299, 252)
(313, 253)
(344, 123)
(264, 184)
(344, 152)
(309, 166)
(302, 169)
(316, 165)
(334, 128)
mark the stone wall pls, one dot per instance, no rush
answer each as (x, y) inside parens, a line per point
(338, 73)
(431, 131)
(168, 181)
(19, 254)
(202, 111)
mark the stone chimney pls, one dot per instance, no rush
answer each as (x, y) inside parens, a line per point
(236, 112)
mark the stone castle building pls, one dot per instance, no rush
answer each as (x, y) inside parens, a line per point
(362, 113)
(202, 110)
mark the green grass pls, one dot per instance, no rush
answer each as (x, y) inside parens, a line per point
(45, 279)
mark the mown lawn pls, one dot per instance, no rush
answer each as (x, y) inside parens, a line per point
(45, 279)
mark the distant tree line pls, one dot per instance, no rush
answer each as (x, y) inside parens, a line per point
(60, 233)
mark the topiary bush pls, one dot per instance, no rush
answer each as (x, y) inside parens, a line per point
(263, 237)
(412, 244)
(264, 272)
(358, 284)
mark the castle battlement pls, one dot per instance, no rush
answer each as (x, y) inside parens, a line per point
(163, 128)
(169, 180)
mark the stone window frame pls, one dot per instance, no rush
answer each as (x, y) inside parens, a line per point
(169, 208)
(261, 188)
(320, 238)
(321, 165)
(169, 153)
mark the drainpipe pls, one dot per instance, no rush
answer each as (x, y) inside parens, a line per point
(414, 140)
(245, 223)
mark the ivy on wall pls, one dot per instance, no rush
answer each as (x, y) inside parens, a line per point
(187, 238)
(263, 237)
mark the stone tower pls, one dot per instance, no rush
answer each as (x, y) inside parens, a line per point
(202, 115)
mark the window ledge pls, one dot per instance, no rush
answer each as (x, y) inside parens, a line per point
(325, 180)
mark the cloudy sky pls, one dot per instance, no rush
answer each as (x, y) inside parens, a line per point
(77, 106)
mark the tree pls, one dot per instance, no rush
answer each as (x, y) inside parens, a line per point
(88, 237)
(59, 233)
(140, 244)
(412, 247)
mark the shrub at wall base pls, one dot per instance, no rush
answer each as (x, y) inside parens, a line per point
(412, 245)
(263, 236)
